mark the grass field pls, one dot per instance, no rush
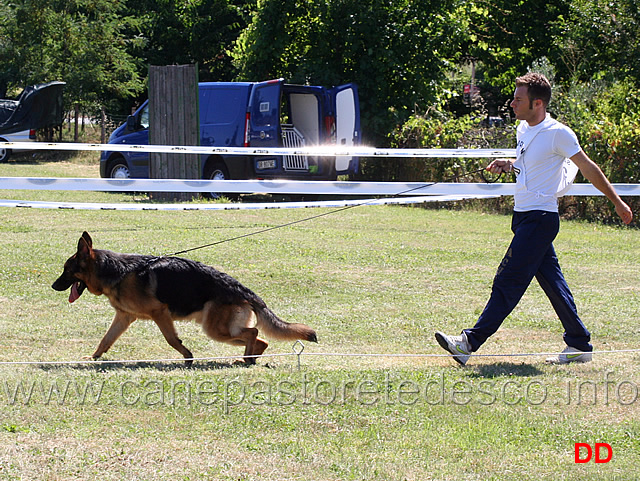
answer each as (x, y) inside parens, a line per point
(371, 280)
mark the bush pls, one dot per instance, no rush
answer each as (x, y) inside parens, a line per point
(606, 118)
(438, 130)
(604, 115)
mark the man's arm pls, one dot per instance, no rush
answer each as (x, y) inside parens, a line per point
(594, 174)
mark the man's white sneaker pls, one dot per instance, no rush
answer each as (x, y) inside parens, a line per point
(570, 354)
(457, 346)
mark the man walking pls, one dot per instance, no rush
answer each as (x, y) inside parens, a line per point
(543, 172)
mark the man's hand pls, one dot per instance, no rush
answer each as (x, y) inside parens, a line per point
(499, 166)
(624, 211)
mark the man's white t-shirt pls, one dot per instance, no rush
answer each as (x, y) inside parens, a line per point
(544, 170)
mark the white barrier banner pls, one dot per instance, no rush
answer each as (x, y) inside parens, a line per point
(141, 206)
(285, 186)
(326, 151)
(252, 186)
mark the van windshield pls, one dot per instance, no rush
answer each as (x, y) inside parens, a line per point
(144, 117)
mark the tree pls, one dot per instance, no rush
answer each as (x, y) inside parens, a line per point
(599, 39)
(188, 31)
(77, 41)
(507, 36)
(397, 51)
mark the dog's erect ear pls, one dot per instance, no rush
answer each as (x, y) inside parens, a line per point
(85, 244)
(87, 239)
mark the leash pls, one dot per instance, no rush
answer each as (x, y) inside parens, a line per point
(482, 172)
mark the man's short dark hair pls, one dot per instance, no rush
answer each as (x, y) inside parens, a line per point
(538, 87)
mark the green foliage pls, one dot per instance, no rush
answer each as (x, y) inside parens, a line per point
(605, 116)
(438, 130)
(506, 37)
(185, 31)
(398, 52)
(614, 143)
(79, 42)
(428, 131)
(599, 39)
(404, 55)
(102, 48)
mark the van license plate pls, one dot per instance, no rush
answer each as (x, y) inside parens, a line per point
(266, 164)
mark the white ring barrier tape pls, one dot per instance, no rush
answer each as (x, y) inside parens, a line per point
(326, 151)
(435, 192)
(317, 187)
(254, 186)
(285, 186)
(454, 191)
(234, 206)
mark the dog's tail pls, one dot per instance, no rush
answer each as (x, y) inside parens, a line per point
(276, 328)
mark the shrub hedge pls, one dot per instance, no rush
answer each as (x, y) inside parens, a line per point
(605, 116)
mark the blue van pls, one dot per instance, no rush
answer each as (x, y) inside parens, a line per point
(256, 114)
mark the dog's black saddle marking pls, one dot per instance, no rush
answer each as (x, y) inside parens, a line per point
(184, 285)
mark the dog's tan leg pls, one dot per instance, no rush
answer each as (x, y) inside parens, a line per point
(254, 346)
(165, 323)
(228, 323)
(121, 323)
(259, 347)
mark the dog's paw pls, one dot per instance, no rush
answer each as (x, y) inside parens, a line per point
(248, 362)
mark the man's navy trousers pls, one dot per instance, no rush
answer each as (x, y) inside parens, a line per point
(531, 254)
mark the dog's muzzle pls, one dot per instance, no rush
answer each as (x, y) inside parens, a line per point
(77, 287)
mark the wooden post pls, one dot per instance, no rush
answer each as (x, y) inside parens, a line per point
(174, 120)
(103, 126)
(76, 120)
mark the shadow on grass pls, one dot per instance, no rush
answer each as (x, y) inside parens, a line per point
(505, 369)
(165, 366)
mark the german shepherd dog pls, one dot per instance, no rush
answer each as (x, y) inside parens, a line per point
(165, 289)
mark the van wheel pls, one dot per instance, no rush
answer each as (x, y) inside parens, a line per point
(119, 170)
(217, 171)
(4, 154)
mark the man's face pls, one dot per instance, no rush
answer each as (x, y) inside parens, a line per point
(522, 107)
